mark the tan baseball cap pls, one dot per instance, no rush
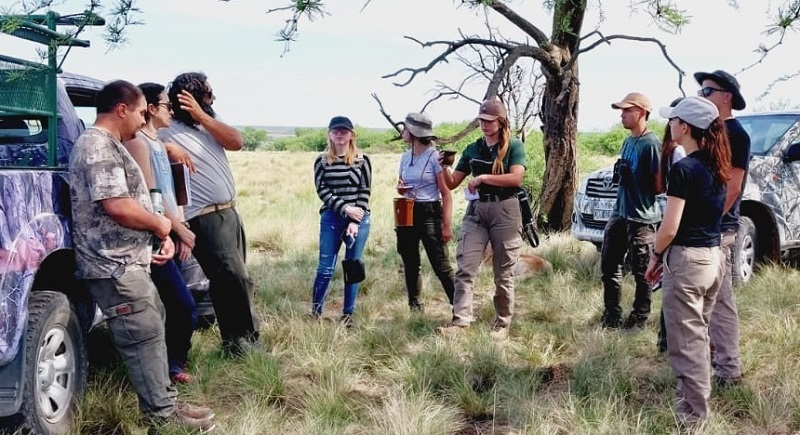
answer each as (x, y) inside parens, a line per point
(634, 99)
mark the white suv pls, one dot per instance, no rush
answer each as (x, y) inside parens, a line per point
(770, 210)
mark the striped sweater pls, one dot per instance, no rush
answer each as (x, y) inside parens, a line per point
(339, 184)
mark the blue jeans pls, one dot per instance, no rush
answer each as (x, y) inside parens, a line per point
(181, 315)
(331, 228)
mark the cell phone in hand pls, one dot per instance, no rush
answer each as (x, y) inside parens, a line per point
(348, 240)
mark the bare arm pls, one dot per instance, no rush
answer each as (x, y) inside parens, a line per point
(179, 155)
(734, 188)
(669, 225)
(140, 152)
(229, 137)
(447, 207)
(453, 178)
(129, 213)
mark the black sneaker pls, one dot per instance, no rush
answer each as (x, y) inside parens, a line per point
(611, 322)
(634, 322)
(347, 321)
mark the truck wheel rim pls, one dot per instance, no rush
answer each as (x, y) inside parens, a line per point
(55, 371)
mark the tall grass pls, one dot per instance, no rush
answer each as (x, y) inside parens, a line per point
(558, 373)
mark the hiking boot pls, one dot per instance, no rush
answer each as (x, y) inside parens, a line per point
(183, 419)
(451, 328)
(634, 322)
(499, 332)
(194, 411)
(611, 322)
(725, 382)
(417, 308)
(347, 321)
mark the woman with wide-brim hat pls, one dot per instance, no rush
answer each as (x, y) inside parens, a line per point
(421, 179)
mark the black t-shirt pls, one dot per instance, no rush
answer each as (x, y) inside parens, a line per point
(740, 158)
(690, 180)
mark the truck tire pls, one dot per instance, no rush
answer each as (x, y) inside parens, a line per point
(745, 250)
(56, 364)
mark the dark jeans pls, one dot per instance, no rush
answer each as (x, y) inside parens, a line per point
(427, 229)
(181, 316)
(220, 248)
(636, 239)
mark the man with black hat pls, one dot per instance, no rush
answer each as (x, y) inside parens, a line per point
(632, 225)
(722, 89)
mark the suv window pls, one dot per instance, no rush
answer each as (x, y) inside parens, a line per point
(765, 131)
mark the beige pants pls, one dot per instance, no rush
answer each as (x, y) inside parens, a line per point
(724, 327)
(499, 223)
(692, 278)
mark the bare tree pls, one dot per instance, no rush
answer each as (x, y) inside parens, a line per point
(557, 55)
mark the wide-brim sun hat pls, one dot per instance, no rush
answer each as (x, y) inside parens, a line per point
(726, 81)
(419, 125)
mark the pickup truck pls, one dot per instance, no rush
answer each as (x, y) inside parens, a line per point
(770, 211)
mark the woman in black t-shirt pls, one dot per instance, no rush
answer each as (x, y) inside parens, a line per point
(686, 249)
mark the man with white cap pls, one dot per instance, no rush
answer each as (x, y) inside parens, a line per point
(722, 89)
(635, 216)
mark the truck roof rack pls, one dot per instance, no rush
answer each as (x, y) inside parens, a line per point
(29, 88)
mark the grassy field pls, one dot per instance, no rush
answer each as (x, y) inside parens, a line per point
(558, 373)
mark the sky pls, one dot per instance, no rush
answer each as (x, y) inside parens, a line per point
(337, 61)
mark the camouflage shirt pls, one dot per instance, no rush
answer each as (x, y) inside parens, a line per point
(100, 168)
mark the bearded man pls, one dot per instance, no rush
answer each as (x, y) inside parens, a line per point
(220, 245)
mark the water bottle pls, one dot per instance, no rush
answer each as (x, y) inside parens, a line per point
(158, 207)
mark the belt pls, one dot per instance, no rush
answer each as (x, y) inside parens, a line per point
(213, 208)
(487, 197)
(428, 206)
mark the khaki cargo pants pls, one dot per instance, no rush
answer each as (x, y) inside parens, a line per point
(724, 326)
(484, 222)
(692, 277)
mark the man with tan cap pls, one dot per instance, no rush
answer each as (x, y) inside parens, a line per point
(722, 89)
(633, 221)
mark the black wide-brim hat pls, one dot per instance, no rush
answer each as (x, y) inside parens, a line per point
(727, 81)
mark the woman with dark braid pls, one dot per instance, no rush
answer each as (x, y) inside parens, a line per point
(497, 164)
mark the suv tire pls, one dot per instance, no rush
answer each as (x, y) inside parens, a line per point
(745, 250)
(56, 364)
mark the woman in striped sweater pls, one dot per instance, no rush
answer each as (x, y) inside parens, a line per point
(343, 177)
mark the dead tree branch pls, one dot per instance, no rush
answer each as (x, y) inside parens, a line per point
(607, 40)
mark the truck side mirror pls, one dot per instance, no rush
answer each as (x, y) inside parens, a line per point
(792, 154)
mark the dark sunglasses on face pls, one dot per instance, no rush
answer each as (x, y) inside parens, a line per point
(165, 105)
(708, 90)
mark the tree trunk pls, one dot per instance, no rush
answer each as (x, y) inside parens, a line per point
(560, 109)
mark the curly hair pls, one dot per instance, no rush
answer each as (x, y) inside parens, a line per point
(196, 83)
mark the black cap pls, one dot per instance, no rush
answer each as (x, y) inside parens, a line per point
(727, 81)
(340, 122)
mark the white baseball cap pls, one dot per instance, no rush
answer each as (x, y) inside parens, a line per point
(693, 110)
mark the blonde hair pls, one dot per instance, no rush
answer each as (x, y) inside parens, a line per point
(505, 139)
(349, 156)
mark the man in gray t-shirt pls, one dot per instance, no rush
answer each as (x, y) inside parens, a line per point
(220, 245)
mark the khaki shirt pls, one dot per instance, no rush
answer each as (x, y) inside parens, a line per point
(101, 168)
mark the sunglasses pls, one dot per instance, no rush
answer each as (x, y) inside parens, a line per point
(166, 105)
(708, 90)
